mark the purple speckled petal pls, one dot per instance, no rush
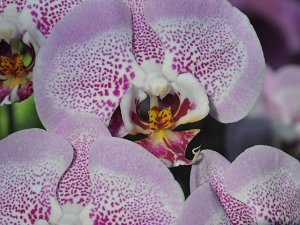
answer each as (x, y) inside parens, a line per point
(31, 164)
(203, 208)
(147, 45)
(211, 168)
(210, 164)
(216, 43)
(19, 4)
(281, 95)
(284, 14)
(135, 189)
(86, 64)
(47, 13)
(268, 180)
(81, 130)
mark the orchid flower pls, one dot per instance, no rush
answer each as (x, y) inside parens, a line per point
(260, 187)
(24, 25)
(150, 71)
(277, 23)
(275, 119)
(80, 175)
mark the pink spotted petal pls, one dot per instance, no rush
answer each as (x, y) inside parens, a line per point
(170, 146)
(32, 162)
(281, 95)
(18, 3)
(47, 13)
(86, 65)
(216, 43)
(81, 130)
(211, 169)
(211, 165)
(268, 180)
(203, 208)
(148, 48)
(135, 189)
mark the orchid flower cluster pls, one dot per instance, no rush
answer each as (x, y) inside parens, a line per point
(101, 70)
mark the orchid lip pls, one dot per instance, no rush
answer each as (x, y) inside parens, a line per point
(157, 109)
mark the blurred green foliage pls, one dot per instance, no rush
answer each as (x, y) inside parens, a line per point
(18, 116)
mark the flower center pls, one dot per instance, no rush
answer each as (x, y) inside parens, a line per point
(160, 119)
(19, 43)
(13, 72)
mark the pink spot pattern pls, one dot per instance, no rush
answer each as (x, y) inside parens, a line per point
(238, 212)
(93, 76)
(25, 196)
(206, 48)
(75, 185)
(46, 13)
(274, 199)
(146, 44)
(119, 199)
(19, 3)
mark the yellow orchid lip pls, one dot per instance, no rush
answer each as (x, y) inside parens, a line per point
(13, 72)
(160, 119)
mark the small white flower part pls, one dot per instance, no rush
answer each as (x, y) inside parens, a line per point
(8, 30)
(158, 86)
(10, 26)
(70, 215)
(41, 222)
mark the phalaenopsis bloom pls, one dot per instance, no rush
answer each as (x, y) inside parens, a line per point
(146, 68)
(24, 25)
(261, 187)
(79, 175)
